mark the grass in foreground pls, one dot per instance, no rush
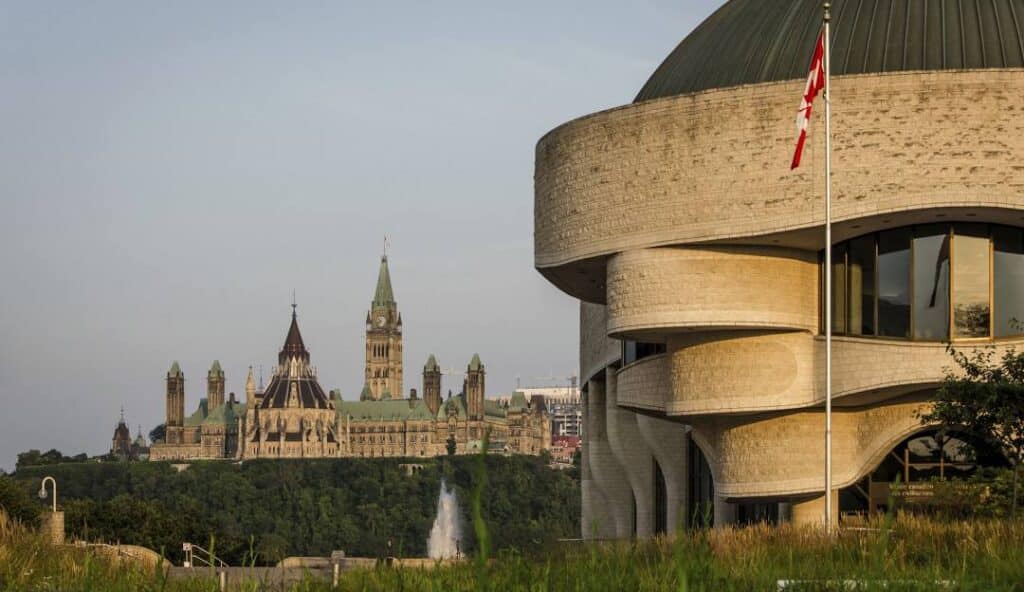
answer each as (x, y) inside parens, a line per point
(908, 554)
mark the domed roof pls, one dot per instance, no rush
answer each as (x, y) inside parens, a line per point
(753, 41)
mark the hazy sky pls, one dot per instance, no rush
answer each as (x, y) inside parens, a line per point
(170, 171)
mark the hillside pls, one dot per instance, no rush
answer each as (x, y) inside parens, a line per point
(306, 507)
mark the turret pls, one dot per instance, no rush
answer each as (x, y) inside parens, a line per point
(214, 386)
(175, 401)
(474, 389)
(432, 384)
(250, 388)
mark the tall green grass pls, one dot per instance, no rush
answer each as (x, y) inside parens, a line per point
(906, 553)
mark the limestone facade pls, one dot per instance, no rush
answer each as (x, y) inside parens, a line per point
(677, 222)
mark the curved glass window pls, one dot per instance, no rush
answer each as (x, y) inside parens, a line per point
(931, 282)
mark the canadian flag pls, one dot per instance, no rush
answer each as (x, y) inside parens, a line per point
(815, 82)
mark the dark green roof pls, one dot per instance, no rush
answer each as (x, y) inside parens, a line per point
(389, 410)
(366, 393)
(175, 369)
(475, 364)
(753, 41)
(431, 364)
(200, 414)
(517, 401)
(383, 295)
(215, 369)
(226, 413)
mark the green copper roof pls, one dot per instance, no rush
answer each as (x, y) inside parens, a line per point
(517, 401)
(431, 365)
(175, 369)
(493, 408)
(384, 295)
(215, 368)
(475, 364)
(225, 414)
(389, 410)
(458, 402)
(754, 41)
(366, 393)
(200, 414)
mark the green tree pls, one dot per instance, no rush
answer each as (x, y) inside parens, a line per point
(984, 396)
(451, 445)
(158, 434)
(16, 501)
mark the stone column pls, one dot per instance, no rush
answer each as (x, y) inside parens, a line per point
(725, 512)
(633, 455)
(612, 513)
(671, 448)
(52, 527)
(811, 511)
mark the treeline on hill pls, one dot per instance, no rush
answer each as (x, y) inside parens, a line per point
(280, 508)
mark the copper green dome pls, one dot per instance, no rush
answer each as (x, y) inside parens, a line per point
(754, 41)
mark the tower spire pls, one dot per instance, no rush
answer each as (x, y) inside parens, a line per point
(383, 295)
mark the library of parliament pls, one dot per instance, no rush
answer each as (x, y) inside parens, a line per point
(292, 417)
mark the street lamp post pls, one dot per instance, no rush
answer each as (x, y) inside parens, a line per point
(42, 490)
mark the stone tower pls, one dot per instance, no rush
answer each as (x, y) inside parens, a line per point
(384, 340)
(432, 385)
(474, 389)
(250, 389)
(175, 403)
(214, 386)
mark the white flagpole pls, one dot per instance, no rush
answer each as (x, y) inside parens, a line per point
(829, 518)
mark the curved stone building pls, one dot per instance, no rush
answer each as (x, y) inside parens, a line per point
(696, 256)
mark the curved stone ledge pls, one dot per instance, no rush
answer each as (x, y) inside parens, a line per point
(743, 372)
(644, 384)
(783, 455)
(713, 166)
(597, 350)
(658, 291)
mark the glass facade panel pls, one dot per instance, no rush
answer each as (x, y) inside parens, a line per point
(931, 283)
(839, 289)
(894, 283)
(861, 264)
(1008, 275)
(971, 285)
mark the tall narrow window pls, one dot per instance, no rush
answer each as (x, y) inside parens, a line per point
(931, 282)
(839, 289)
(894, 283)
(861, 263)
(971, 284)
(1008, 272)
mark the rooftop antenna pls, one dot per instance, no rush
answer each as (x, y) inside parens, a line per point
(385, 246)
(293, 302)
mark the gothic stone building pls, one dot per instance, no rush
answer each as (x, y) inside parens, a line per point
(293, 418)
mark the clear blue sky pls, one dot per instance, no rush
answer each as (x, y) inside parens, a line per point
(170, 171)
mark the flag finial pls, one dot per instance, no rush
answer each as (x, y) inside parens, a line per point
(828, 11)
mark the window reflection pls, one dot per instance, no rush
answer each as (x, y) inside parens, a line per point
(894, 283)
(1008, 274)
(861, 265)
(971, 312)
(638, 350)
(931, 283)
(839, 289)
